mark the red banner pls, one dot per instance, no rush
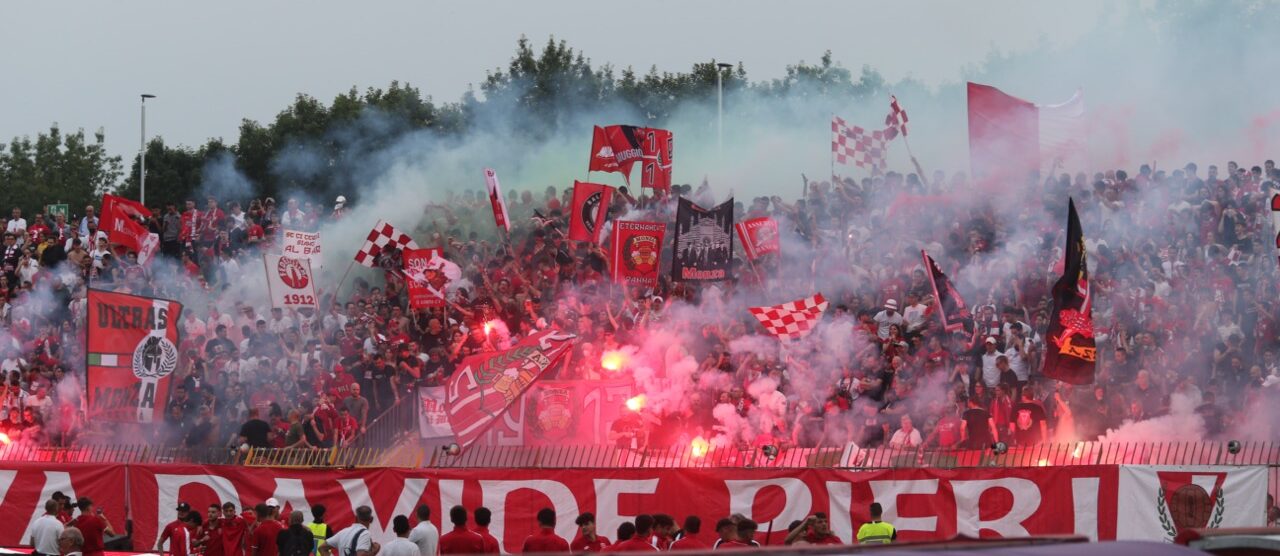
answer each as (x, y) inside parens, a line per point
(590, 205)
(924, 504)
(637, 252)
(132, 353)
(759, 236)
(578, 411)
(658, 149)
(416, 264)
(123, 230)
(500, 216)
(485, 385)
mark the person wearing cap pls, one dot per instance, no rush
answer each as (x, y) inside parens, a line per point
(339, 207)
(93, 525)
(176, 533)
(888, 317)
(274, 506)
(262, 542)
(988, 360)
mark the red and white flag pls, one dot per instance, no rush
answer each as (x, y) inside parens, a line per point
(382, 235)
(759, 236)
(126, 232)
(792, 320)
(861, 147)
(590, 206)
(486, 384)
(495, 198)
(1012, 138)
(290, 282)
(896, 121)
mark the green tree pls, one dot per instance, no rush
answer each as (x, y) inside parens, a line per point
(56, 168)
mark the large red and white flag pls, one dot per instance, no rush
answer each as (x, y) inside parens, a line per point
(792, 320)
(382, 236)
(616, 148)
(759, 236)
(290, 282)
(500, 216)
(131, 355)
(590, 206)
(852, 144)
(128, 207)
(658, 149)
(122, 230)
(896, 121)
(1010, 138)
(486, 384)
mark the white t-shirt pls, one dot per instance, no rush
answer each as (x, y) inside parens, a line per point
(884, 321)
(400, 547)
(426, 537)
(902, 439)
(990, 374)
(914, 315)
(1016, 364)
(18, 226)
(44, 534)
(341, 542)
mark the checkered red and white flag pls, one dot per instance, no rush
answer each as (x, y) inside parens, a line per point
(858, 145)
(382, 235)
(896, 121)
(792, 320)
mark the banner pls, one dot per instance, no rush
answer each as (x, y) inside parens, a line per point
(1172, 500)
(500, 215)
(433, 420)
(590, 206)
(131, 352)
(127, 207)
(485, 385)
(303, 245)
(1010, 138)
(1070, 354)
(616, 148)
(703, 242)
(553, 412)
(1100, 502)
(951, 308)
(637, 252)
(290, 282)
(657, 150)
(426, 284)
(759, 236)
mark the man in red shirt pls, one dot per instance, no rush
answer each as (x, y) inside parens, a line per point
(483, 518)
(588, 540)
(263, 540)
(816, 529)
(234, 531)
(211, 539)
(460, 540)
(93, 525)
(345, 427)
(190, 218)
(691, 539)
(341, 385)
(640, 541)
(172, 529)
(664, 528)
(545, 540)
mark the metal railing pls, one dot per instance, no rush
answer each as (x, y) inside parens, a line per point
(393, 426)
(409, 454)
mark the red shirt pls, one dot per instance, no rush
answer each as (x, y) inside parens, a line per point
(731, 545)
(189, 219)
(690, 542)
(581, 544)
(233, 535)
(264, 538)
(544, 541)
(490, 542)
(661, 542)
(633, 544)
(461, 541)
(179, 539)
(340, 386)
(829, 539)
(213, 546)
(92, 527)
(170, 531)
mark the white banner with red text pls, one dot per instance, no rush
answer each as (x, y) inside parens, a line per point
(924, 504)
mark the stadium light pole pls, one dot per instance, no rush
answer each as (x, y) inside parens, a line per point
(142, 159)
(720, 67)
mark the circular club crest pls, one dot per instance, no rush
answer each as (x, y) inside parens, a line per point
(641, 253)
(293, 273)
(590, 208)
(155, 357)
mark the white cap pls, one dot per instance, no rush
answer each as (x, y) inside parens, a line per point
(273, 503)
(891, 304)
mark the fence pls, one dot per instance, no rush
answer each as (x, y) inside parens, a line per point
(376, 452)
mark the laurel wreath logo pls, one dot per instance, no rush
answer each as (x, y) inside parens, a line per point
(1171, 531)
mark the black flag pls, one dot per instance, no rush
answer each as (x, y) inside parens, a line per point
(703, 242)
(1071, 354)
(951, 308)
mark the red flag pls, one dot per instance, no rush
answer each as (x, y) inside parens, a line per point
(759, 236)
(791, 320)
(951, 308)
(381, 237)
(126, 232)
(128, 206)
(896, 121)
(426, 286)
(616, 148)
(500, 216)
(590, 205)
(486, 384)
(131, 354)
(658, 150)
(861, 147)
(1004, 134)
(637, 252)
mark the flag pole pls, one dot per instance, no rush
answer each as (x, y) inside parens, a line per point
(832, 154)
(334, 299)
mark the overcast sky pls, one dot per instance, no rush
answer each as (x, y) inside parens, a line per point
(83, 64)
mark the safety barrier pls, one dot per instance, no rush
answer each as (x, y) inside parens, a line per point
(566, 457)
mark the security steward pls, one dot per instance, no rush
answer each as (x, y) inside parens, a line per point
(876, 532)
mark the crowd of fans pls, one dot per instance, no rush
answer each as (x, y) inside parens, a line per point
(1180, 265)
